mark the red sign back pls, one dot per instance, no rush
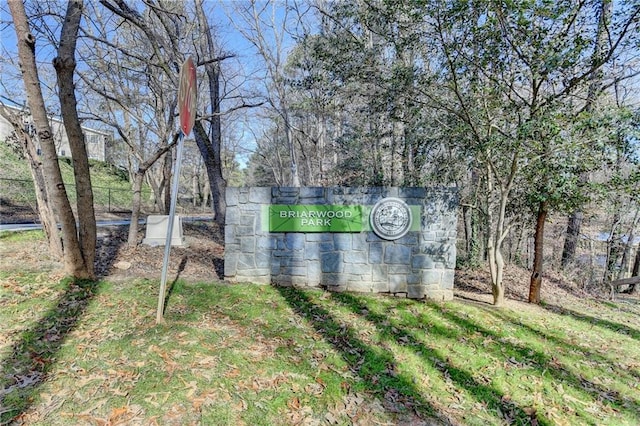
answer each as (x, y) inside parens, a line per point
(187, 96)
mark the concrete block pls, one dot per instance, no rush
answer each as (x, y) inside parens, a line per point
(157, 227)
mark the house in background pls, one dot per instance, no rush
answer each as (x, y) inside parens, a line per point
(98, 142)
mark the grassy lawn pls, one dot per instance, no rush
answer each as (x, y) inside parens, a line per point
(111, 188)
(90, 353)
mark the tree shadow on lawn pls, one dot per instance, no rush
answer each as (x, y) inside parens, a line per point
(373, 365)
(546, 362)
(494, 400)
(385, 382)
(610, 325)
(33, 356)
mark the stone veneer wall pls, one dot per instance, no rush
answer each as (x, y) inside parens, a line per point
(419, 265)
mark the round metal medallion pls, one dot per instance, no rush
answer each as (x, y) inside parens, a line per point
(390, 218)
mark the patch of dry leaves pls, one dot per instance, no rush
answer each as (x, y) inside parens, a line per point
(201, 259)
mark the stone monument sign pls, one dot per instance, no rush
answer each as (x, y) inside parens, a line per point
(368, 239)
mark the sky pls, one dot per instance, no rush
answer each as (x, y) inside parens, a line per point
(225, 26)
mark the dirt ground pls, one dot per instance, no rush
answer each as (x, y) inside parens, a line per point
(202, 258)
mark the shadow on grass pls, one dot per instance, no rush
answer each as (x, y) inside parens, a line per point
(172, 285)
(610, 325)
(579, 353)
(32, 357)
(373, 365)
(496, 402)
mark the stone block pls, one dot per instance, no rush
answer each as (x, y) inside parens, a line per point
(334, 280)
(232, 217)
(413, 279)
(230, 235)
(376, 251)
(359, 242)
(314, 271)
(431, 277)
(263, 259)
(245, 230)
(342, 242)
(231, 197)
(416, 292)
(275, 267)
(265, 243)
(260, 195)
(396, 253)
(248, 244)
(380, 286)
(230, 264)
(412, 192)
(399, 269)
(295, 270)
(312, 251)
(248, 220)
(314, 237)
(362, 269)
(311, 192)
(326, 246)
(438, 295)
(355, 257)
(246, 261)
(397, 283)
(332, 263)
(360, 286)
(421, 261)
(380, 273)
(294, 241)
(448, 278)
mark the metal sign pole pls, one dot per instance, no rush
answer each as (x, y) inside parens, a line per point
(167, 245)
(187, 111)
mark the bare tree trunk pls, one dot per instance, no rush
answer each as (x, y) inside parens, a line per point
(216, 186)
(571, 239)
(575, 220)
(211, 149)
(633, 289)
(45, 210)
(295, 174)
(65, 65)
(165, 185)
(538, 254)
(614, 246)
(467, 211)
(138, 180)
(496, 235)
(73, 259)
(627, 250)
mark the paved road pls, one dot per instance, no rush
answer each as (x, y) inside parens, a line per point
(100, 223)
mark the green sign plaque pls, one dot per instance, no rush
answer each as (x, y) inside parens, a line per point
(314, 218)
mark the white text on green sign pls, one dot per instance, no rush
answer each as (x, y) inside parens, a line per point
(314, 218)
